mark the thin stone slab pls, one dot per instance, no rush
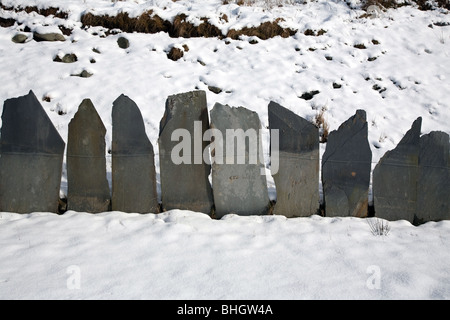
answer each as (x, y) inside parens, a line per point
(433, 188)
(297, 174)
(239, 183)
(395, 178)
(31, 157)
(133, 163)
(185, 185)
(87, 186)
(346, 166)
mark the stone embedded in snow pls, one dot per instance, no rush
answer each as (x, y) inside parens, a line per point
(123, 43)
(239, 182)
(133, 163)
(31, 158)
(346, 166)
(19, 38)
(433, 187)
(51, 36)
(67, 58)
(395, 178)
(297, 174)
(87, 186)
(184, 173)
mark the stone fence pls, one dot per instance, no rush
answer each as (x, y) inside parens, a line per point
(410, 182)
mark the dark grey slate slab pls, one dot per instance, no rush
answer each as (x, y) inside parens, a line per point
(133, 163)
(395, 178)
(433, 187)
(346, 166)
(239, 183)
(87, 186)
(297, 178)
(185, 185)
(31, 157)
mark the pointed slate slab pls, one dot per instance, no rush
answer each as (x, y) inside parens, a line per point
(297, 176)
(395, 178)
(31, 157)
(87, 186)
(133, 163)
(433, 188)
(185, 185)
(239, 183)
(346, 166)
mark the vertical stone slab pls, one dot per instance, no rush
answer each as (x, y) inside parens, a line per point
(346, 166)
(297, 175)
(87, 186)
(239, 183)
(433, 187)
(31, 157)
(133, 163)
(395, 178)
(184, 174)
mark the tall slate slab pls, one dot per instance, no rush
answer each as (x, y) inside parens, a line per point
(87, 186)
(31, 157)
(239, 183)
(395, 178)
(433, 187)
(183, 172)
(133, 163)
(297, 174)
(346, 166)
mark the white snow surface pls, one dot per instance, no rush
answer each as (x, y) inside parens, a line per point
(188, 255)
(181, 254)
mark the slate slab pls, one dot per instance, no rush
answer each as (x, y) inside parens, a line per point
(31, 157)
(433, 188)
(395, 178)
(87, 186)
(346, 166)
(185, 184)
(133, 163)
(297, 175)
(239, 183)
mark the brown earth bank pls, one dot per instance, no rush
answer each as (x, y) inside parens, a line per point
(148, 22)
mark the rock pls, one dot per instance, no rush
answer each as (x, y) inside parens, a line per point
(68, 58)
(31, 158)
(395, 178)
(346, 166)
(184, 173)
(239, 181)
(175, 54)
(214, 89)
(123, 43)
(51, 36)
(433, 201)
(19, 38)
(297, 174)
(133, 163)
(83, 74)
(88, 189)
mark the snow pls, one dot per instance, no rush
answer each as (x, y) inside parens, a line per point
(187, 255)
(181, 254)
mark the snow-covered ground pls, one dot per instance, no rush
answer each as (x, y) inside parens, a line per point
(402, 73)
(187, 255)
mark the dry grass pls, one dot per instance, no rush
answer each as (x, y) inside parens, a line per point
(322, 123)
(145, 23)
(264, 31)
(149, 23)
